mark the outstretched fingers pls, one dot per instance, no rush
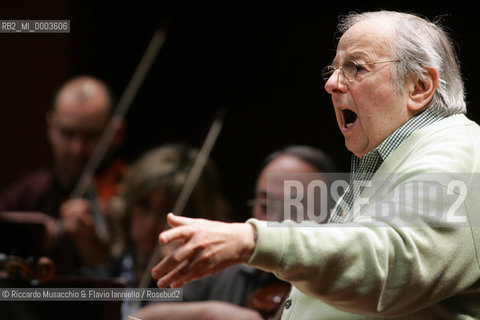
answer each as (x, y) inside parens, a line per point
(194, 264)
(208, 247)
(169, 267)
(173, 277)
(180, 233)
(175, 221)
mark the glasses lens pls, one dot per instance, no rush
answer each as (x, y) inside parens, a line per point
(350, 70)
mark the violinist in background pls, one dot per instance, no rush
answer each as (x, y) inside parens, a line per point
(149, 191)
(81, 109)
(242, 292)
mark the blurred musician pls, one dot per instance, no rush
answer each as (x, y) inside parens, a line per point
(81, 109)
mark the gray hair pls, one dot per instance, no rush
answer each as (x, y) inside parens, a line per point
(420, 43)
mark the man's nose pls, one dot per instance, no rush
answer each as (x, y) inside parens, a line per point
(336, 82)
(78, 145)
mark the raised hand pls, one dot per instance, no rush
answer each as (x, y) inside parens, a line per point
(208, 247)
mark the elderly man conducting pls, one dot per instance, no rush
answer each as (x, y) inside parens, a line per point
(403, 241)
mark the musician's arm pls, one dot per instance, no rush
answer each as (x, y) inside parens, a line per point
(78, 222)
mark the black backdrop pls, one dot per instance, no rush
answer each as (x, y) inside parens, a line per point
(261, 65)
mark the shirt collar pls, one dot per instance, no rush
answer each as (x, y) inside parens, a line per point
(394, 140)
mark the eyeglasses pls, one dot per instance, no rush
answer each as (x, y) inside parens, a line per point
(349, 70)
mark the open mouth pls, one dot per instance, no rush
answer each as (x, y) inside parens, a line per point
(349, 117)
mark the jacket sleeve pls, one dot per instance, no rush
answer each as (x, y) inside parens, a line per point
(379, 264)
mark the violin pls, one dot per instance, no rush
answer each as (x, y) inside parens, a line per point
(16, 268)
(269, 299)
(107, 182)
(87, 176)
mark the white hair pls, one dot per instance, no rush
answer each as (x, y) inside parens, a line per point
(418, 44)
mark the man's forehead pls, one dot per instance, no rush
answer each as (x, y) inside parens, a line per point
(81, 116)
(83, 91)
(366, 39)
(97, 105)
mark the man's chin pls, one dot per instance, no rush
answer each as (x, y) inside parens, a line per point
(355, 147)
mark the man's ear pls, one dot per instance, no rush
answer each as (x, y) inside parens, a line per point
(421, 91)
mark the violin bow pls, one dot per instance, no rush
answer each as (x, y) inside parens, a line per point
(85, 180)
(188, 186)
(190, 182)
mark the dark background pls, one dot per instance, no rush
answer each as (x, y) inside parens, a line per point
(261, 65)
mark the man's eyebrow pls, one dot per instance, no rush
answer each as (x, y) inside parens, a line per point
(350, 57)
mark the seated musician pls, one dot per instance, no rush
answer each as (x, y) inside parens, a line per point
(233, 293)
(149, 191)
(81, 109)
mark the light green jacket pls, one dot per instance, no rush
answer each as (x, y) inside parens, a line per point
(404, 254)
